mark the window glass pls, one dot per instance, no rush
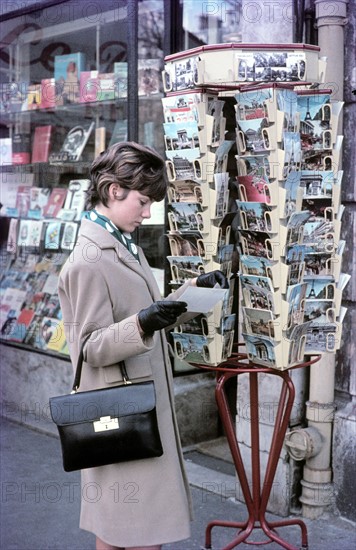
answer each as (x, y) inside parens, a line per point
(211, 22)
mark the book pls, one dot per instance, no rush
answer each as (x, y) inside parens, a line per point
(55, 202)
(23, 201)
(67, 71)
(76, 195)
(11, 245)
(33, 97)
(100, 135)
(5, 151)
(50, 98)
(41, 143)
(88, 86)
(106, 87)
(39, 197)
(57, 341)
(29, 234)
(120, 71)
(8, 190)
(52, 232)
(73, 145)
(21, 144)
(10, 307)
(69, 235)
(23, 322)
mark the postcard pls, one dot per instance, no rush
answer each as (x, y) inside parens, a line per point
(186, 244)
(257, 216)
(184, 268)
(185, 216)
(222, 155)
(181, 74)
(182, 108)
(319, 263)
(256, 265)
(200, 324)
(184, 165)
(192, 348)
(181, 135)
(202, 300)
(320, 311)
(318, 183)
(259, 321)
(185, 191)
(258, 243)
(260, 349)
(295, 227)
(252, 104)
(253, 189)
(292, 148)
(258, 165)
(221, 181)
(252, 137)
(69, 235)
(287, 103)
(320, 236)
(319, 288)
(292, 185)
(323, 338)
(296, 303)
(258, 292)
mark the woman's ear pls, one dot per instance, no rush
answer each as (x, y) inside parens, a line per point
(115, 191)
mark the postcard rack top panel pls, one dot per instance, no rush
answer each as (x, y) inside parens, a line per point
(230, 64)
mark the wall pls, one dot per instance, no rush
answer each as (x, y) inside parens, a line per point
(344, 446)
(29, 379)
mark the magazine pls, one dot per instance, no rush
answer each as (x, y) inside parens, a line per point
(73, 146)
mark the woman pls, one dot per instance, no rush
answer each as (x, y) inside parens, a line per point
(107, 290)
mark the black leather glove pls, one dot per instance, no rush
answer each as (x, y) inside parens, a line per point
(209, 280)
(160, 315)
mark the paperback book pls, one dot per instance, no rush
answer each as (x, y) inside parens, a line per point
(73, 145)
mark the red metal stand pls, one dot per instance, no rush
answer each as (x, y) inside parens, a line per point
(257, 499)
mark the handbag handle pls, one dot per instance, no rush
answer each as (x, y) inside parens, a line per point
(78, 370)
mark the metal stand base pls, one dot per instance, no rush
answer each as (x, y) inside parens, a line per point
(257, 499)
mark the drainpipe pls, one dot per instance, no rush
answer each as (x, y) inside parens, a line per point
(313, 444)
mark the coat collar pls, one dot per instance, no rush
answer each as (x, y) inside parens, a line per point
(103, 240)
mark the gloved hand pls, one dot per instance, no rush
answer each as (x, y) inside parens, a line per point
(160, 315)
(209, 280)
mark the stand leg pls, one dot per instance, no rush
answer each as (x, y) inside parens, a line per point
(257, 502)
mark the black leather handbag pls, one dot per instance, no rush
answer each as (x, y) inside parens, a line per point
(108, 425)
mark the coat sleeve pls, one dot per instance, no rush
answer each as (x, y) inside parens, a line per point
(87, 309)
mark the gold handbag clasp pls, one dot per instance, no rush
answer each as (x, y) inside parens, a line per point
(106, 423)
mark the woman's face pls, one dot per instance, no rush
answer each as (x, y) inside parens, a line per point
(127, 213)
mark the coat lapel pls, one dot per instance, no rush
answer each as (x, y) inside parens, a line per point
(103, 240)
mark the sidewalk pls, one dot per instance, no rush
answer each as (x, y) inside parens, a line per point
(40, 502)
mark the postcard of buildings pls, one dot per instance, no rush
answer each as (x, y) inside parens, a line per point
(258, 292)
(250, 137)
(185, 216)
(185, 191)
(252, 104)
(257, 216)
(259, 321)
(184, 268)
(192, 348)
(186, 244)
(181, 135)
(260, 349)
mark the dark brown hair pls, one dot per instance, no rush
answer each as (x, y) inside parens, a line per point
(132, 166)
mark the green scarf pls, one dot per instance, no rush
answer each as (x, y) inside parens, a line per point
(123, 238)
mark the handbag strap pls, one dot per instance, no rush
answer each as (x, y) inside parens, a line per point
(78, 370)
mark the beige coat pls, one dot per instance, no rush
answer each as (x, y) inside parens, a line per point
(101, 289)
